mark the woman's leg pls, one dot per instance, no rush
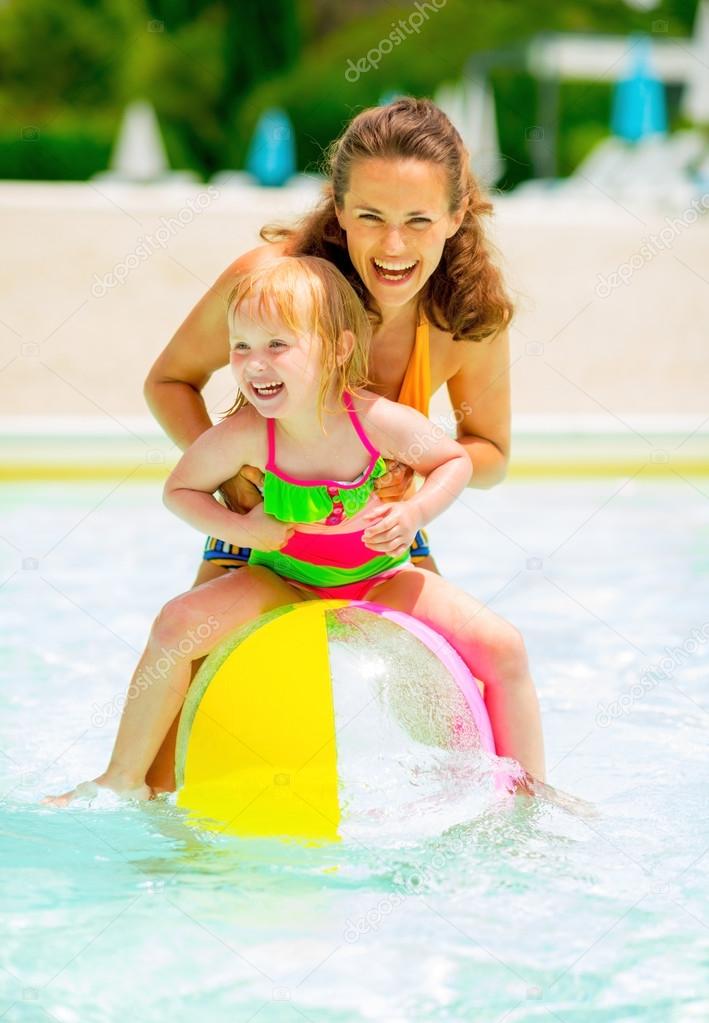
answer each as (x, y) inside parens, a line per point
(428, 563)
(492, 649)
(188, 627)
(208, 571)
(420, 551)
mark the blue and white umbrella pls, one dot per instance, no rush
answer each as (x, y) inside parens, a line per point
(271, 158)
(639, 98)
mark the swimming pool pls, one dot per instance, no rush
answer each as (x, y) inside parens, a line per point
(508, 913)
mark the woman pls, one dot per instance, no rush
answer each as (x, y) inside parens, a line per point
(403, 222)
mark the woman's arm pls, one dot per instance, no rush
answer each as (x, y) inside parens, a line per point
(174, 384)
(480, 397)
(200, 347)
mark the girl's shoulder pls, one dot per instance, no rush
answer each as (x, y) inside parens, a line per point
(371, 406)
(247, 427)
(386, 422)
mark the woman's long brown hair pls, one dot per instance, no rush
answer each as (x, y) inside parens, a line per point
(465, 294)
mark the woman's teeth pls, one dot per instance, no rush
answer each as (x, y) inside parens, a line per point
(388, 270)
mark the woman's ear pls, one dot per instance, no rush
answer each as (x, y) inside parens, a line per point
(345, 346)
(457, 218)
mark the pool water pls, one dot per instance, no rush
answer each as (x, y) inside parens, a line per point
(499, 911)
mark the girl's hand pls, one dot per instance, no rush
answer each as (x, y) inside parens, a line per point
(241, 493)
(391, 530)
(264, 532)
(395, 484)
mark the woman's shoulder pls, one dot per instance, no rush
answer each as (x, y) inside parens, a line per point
(262, 255)
(446, 355)
(440, 334)
(450, 357)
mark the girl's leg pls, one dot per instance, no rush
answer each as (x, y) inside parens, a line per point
(492, 649)
(161, 773)
(187, 628)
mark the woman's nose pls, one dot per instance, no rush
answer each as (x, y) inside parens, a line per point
(393, 242)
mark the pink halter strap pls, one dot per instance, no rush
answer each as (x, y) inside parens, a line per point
(354, 419)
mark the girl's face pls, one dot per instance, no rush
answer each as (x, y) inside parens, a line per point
(397, 221)
(277, 370)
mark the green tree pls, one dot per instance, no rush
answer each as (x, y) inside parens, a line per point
(68, 70)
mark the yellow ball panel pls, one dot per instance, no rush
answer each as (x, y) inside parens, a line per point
(261, 754)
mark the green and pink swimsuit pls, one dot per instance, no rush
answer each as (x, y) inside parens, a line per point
(329, 564)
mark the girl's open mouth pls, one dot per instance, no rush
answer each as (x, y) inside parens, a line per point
(266, 391)
(390, 271)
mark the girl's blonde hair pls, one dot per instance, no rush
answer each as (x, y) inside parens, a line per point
(465, 294)
(309, 296)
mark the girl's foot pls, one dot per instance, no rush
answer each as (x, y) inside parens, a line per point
(529, 787)
(565, 801)
(90, 789)
(526, 785)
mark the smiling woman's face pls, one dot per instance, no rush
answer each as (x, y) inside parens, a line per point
(397, 221)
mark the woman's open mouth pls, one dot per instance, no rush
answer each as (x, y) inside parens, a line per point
(390, 271)
(266, 391)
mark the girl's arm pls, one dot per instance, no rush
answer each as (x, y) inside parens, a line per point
(215, 456)
(406, 435)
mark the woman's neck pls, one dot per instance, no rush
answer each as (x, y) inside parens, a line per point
(400, 321)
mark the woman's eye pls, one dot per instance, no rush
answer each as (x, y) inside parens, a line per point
(240, 346)
(416, 221)
(278, 344)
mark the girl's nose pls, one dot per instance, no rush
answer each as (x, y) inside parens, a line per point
(255, 365)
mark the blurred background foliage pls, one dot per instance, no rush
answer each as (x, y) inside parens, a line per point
(211, 67)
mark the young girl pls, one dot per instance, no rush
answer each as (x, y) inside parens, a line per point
(299, 337)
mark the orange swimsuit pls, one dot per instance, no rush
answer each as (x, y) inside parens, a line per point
(416, 386)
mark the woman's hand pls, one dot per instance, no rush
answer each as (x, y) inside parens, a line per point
(391, 530)
(264, 532)
(395, 484)
(243, 492)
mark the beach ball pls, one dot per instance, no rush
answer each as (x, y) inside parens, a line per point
(302, 718)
